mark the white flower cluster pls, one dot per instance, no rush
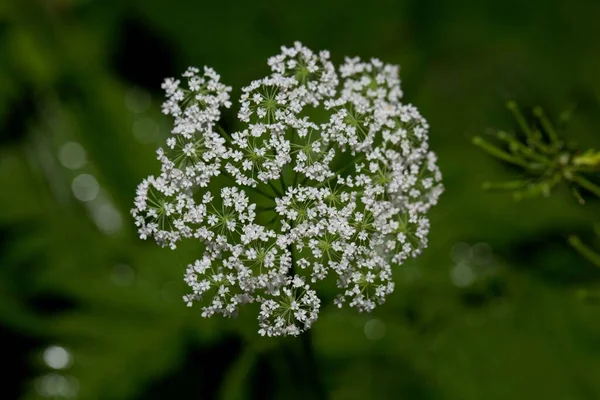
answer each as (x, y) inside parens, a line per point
(330, 175)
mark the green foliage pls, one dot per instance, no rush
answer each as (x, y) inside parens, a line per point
(113, 301)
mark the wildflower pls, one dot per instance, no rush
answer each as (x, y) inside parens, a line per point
(290, 199)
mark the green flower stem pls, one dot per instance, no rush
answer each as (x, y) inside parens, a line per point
(496, 152)
(308, 348)
(509, 185)
(295, 179)
(534, 136)
(305, 179)
(282, 182)
(578, 196)
(275, 189)
(275, 217)
(586, 169)
(548, 128)
(251, 189)
(584, 250)
(586, 184)
(225, 134)
(512, 106)
(517, 145)
(536, 188)
(300, 364)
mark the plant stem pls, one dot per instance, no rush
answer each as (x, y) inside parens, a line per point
(546, 124)
(308, 348)
(282, 182)
(277, 193)
(526, 151)
(496, 152)
(586, 184)
(509, 185)
(584, 250)
(512, 106)
(225, 133)
(251, 189)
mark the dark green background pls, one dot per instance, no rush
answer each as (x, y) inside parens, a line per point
(72, 71)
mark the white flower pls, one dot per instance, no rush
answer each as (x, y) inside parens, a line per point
(326, 179)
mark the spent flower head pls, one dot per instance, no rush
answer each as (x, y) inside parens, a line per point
(546, 160)
(329, 176)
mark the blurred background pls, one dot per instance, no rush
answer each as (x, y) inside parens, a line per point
(492, 310)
